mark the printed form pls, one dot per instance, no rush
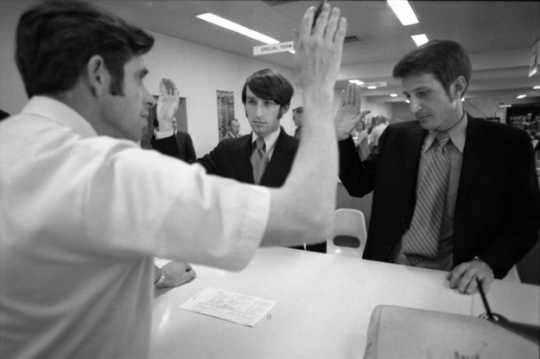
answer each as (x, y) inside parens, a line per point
(234, 307)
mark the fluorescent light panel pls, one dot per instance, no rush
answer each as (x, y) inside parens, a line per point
(420, 39)
(537, 87)
(232, 26)
(519, 97)
(393, 95)
(403, 11)
(356, 82)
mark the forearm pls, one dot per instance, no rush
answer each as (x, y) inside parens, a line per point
(305, 204)
(302, 211)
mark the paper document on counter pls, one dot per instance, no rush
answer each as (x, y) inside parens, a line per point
(234, 307)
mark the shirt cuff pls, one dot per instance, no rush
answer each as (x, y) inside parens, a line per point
(162, 134)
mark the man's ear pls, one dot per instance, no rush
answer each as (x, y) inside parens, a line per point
(283, 110)
(98, 76)
(458, 88)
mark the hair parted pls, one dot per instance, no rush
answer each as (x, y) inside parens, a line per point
(445, 59)
(269, 85)
(56, 38)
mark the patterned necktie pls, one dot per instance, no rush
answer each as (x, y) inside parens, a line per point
(259, 160)
(422, 238)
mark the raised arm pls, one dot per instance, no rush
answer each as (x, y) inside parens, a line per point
(302, 210)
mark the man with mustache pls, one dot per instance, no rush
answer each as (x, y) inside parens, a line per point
(451, 192)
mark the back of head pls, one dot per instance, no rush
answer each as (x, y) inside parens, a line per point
(56, 38)
(446, 60)
(269, 85)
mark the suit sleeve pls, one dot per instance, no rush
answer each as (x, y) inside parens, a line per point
(520, 232)
(358, 176)
(210, 161)
(190, 150)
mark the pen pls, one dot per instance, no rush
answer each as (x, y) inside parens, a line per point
(484, 300)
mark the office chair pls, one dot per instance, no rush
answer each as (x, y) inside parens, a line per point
(512, 275)
(349, 237)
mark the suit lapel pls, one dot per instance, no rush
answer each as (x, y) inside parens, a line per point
(471, 164)
(244, 160)
(280, 161)
(411, 149)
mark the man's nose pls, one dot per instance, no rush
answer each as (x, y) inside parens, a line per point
(148, 98)
(259, 110)
(414, 105)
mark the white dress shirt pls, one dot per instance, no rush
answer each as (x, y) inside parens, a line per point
(81, 217)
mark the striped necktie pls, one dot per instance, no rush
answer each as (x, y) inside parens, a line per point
(259, 160)
(422, 238)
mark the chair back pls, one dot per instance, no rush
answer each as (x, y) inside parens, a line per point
(512, 275)
(349, 237)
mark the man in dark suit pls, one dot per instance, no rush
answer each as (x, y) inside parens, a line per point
(265, 156)
(298, 117)
(450, 192)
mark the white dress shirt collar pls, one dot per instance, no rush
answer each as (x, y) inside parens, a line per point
(456, 134)
(269, 140)
(60, 113)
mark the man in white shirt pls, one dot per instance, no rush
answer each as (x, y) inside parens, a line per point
(84, 209)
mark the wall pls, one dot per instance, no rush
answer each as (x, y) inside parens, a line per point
(401, 111)
(198, 72)
(376, 108)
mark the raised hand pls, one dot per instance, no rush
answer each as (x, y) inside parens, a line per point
(318, 52)
(348, 115)
(167, 104)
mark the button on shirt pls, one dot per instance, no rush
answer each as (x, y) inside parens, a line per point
(455, 147)
(81, 218)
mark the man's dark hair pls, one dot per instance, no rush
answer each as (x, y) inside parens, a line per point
(55, 40)
(3, 114)
(444, 59)
(269, 85)
(299, 109)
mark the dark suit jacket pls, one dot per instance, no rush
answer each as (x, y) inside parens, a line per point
(179, 146)
(495, 207)
(231, 158)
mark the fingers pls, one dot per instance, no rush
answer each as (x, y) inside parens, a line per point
(467, 279)
(329, 36)
(463, 277)
(321, 22)
(349, 94)
(455, 275)
(305, 28)
(486, 282)
(340, 35)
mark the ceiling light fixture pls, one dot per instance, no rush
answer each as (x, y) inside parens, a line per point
(393, 95)
(537, 87)
(356, 82)
(232, 26)
(371, 87)
(420, 39)
(403, 11)
(519, 97)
